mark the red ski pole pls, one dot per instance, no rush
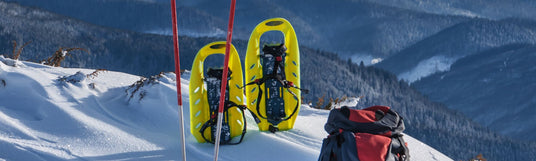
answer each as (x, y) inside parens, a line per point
(224, 79)
(178, 77)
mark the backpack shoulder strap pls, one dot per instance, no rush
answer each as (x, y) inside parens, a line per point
(403, 152)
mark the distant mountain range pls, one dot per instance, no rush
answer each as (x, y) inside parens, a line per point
(494, 87)
(463, 57)
(491, 9)
(48, 32)
(350, 28)
(126, 15)
(458, 41)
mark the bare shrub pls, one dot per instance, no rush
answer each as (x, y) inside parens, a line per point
(96, 73)
(479, 157)
(75, 78)
(137, 86)
(333, 103)
(60, 55)
(92, 85)
(320, 103)
(16, 53)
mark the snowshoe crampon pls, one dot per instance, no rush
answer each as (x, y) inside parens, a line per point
(273, 77)
(205, 95)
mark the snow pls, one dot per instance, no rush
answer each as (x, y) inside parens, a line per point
(366, 58)
(376, 61)
(349, 102)
(43, 116)
(427, 67)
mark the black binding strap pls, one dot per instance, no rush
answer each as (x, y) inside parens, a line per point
(259, 82)
(212, 121)
(217, 74)
(278, 53)
(286, 84)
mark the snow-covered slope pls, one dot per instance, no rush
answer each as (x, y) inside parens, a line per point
(50, 113)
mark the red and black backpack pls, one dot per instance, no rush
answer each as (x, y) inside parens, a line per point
(371, 134)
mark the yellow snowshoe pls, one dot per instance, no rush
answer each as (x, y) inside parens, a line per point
(205, 95)
(273, 77)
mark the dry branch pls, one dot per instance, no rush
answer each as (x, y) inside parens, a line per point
(96, 73)
(60, 55)
(16, 53)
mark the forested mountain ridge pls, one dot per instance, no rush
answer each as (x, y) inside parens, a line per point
(495, 84)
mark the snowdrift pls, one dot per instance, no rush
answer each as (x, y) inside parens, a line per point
(54, 113)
